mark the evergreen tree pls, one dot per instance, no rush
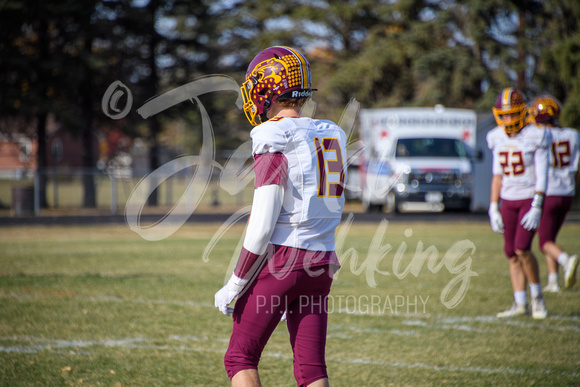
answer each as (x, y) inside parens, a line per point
(558, 69)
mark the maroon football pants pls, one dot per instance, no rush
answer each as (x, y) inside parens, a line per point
(515, 236)
(304, 296)
(555, 210)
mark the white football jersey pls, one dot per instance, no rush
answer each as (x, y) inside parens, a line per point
(313, 196)
(515, 159)
(564, 156)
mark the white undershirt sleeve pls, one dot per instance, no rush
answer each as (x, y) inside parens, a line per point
(541, 161)
(266, 207)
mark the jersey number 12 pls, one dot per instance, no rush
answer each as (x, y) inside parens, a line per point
(561, 154)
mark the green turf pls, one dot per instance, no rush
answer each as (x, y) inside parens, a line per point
(98, 305)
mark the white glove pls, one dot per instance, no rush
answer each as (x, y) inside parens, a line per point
(226, 295)
(531, 219)
(495, 218)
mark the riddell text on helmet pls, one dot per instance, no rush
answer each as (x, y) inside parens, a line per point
(301, 94)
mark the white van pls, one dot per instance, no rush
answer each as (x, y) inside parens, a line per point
(417, 159)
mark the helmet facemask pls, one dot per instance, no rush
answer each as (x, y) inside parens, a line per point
(511, 124)
(251, 109)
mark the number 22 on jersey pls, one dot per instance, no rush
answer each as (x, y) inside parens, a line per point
(512, 162)
(328, 165)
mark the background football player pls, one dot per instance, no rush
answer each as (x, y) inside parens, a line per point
(288, 259)
(520, 174)
(562, 178)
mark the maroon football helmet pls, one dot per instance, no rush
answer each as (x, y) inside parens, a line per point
(510, 110)
(545, 110)
(277, 73)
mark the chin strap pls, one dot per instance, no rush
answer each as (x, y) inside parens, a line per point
(267, 105)
(263, 118)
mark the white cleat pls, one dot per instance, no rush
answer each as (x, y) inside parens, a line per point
(539, 310)
(570, 271)
(515, 311)
(552, 287)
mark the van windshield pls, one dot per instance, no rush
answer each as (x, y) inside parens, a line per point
(430, 147)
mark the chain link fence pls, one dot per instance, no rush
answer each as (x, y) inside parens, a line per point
(107, 192)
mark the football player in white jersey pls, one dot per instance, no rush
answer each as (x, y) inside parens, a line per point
(562, 179)
(520, 175)
(288, 259)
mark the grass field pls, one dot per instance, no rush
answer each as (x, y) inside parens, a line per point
(98, 305)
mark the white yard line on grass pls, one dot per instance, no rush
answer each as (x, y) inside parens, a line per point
(465, 369)
(33, 345)
(25, 345)
(443, 322)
